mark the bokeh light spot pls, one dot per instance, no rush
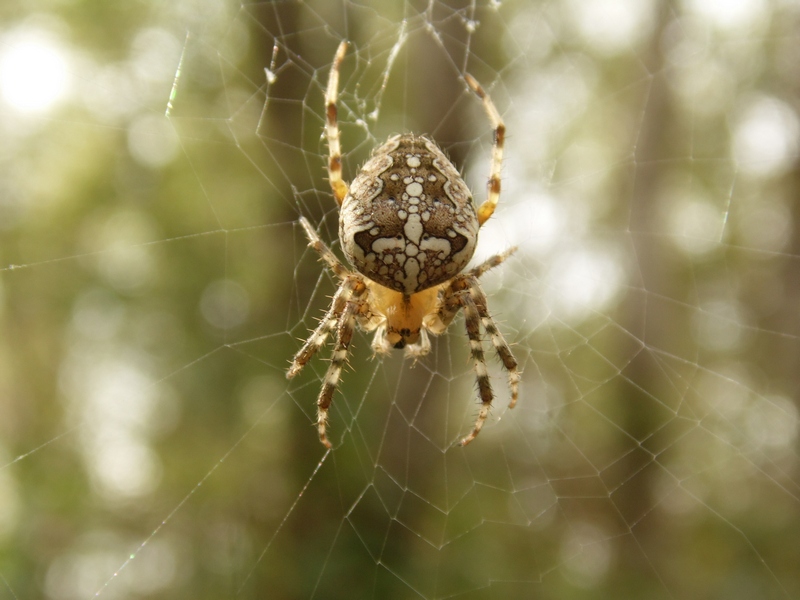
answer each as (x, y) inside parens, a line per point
(34, 73)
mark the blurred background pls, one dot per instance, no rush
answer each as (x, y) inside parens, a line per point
(154, 285)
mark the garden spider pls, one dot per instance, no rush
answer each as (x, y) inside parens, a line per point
(408, 225)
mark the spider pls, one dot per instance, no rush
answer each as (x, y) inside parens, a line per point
(408, 226)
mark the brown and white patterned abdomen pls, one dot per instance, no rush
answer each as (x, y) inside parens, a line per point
(408, 222)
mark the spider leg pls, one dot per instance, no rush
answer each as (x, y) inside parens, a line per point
(312, 345)
(486, 209)
(344, 334)
(317, 339)
(499, 342)
(490, 263)
(325, 253)
(465, 291)
(473, 322)
(338, 185)
(449, 305)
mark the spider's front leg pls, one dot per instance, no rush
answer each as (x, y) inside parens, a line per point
(327, 324)
(476, 314)
(498, 341)
(317, 339)
(465, 292)
(344, 334)
(473, 323)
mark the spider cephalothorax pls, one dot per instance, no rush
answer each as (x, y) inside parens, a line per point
(408, 225)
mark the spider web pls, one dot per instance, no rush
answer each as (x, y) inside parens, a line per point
(155, 284)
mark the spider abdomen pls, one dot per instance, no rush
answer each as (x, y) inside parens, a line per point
(408, 221)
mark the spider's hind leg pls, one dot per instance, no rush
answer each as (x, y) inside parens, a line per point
(486, 209)
(338, 185)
